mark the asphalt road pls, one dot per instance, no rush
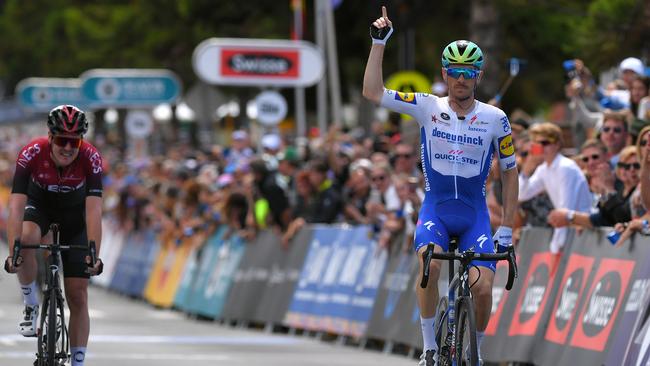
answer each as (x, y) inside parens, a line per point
(129, 332)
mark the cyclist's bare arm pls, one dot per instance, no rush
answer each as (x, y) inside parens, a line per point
(373, 82)
(94, 220)
(510, 191)
(17, 202)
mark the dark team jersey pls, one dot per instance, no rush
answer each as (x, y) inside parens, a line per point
(54, 188)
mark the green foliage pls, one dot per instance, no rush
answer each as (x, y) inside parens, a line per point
(63, 38)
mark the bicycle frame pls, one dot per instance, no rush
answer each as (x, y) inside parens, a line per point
(52, 309)
(459, 287)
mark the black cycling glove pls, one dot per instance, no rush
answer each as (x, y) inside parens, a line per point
(380, 35)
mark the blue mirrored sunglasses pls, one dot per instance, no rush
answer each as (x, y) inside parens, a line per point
(467, 73)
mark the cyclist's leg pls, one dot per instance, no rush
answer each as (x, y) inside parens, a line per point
(429, 230)
(33, 223)
(76, 293)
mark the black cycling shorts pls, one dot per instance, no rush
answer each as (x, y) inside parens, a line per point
(72, 228)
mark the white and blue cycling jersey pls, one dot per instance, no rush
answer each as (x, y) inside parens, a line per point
(456, 156)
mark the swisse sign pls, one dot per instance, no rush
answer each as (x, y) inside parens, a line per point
(258, 62)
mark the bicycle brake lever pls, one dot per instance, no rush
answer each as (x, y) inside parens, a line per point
(426, 261)
(16, 256)
(512, 268)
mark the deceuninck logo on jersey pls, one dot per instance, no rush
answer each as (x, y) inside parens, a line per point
(406, 97)
(599, 312)
(506, 147)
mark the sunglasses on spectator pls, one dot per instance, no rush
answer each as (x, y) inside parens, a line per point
(467, 73)
(75, 142)
(613, 129)
(629, 166)
(523, 154)
(543, 142)
(378, 178)
(405, 156)
(643, 142)
(585, 158)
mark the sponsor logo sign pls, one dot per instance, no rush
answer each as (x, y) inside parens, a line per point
(534, 295)
(602, 304)
(258, 62)
(566, 304)
(506, 147)
(406, 97)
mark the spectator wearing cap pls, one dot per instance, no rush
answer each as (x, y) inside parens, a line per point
(629, 69)
(268, 190)
(288, 167)
(239, 152)
(271, 145)
(614, 134)
(326, 200)
(549, 171)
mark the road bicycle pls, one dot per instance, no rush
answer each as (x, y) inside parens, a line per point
(52, 333)
(455, 324)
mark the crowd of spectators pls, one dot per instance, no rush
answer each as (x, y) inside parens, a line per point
(257, 182)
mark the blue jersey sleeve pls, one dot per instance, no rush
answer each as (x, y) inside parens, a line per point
(413, 104)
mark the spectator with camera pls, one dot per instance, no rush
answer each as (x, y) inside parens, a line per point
(614, 206)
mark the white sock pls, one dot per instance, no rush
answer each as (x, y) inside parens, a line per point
(429, 333)
(29, 294)
(78, 355)
(479, 339)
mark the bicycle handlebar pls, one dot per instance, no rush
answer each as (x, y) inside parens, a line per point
(510, 256)
(18, 247)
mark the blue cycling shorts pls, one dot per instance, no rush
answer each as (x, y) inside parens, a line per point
(438, 222)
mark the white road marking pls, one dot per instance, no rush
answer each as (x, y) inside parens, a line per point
(130, 356)
(173, 339)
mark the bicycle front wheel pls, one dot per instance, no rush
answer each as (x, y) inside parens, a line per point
(443, 336)
(52, 337)
(465, 336)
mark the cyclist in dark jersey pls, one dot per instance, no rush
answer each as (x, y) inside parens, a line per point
(58, 179)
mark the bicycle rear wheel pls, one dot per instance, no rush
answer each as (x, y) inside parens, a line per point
(443, 336)
(465, 336)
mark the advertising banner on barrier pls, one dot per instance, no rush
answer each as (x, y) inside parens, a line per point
(252, 276)
(188, 278)
(305, 309)
(339, 281)
(392, 315)
(396, 315)
(135, 263)
(218, 264)
(284, 275)
(566, 311)
(112, 242)
(168, 270)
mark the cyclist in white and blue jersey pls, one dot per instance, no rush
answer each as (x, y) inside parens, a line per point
(458, 137)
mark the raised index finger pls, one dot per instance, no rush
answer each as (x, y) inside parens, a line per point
(384, 14)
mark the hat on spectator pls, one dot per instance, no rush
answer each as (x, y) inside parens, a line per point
(289, 154)
(271, 141)
(239, 135)
(634, 64)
